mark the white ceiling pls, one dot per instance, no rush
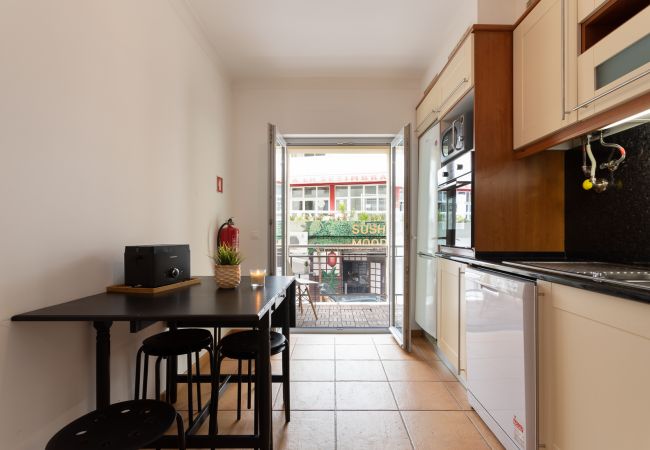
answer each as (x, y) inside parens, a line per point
(331, 38)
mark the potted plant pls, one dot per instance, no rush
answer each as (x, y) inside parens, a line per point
(227, 267)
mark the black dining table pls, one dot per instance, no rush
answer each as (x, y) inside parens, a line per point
(200, 305)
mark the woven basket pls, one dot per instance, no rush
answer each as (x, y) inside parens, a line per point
(227, 277)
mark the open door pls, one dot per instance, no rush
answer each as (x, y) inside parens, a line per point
(277, 202)
(399, 238)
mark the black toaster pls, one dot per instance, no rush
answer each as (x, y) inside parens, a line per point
(156, 265)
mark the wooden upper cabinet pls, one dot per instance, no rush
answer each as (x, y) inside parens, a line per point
(428, 110)
(617, 67)
(544, 70)
(458, 76)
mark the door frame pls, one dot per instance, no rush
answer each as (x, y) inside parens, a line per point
(305, 140)
(403, 337)
(274, 138)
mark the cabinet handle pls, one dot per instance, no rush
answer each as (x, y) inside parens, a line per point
(453, 91)
(463, 81)
(609, 91)
(417, 128)
(489, 290)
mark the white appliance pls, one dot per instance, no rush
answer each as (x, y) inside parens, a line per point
(425, 276)
(502, 355)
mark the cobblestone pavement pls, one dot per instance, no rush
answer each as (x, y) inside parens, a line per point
(343, 315)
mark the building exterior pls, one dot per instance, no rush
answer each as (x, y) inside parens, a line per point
(337, 222)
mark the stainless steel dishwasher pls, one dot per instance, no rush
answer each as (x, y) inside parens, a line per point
(501, 314)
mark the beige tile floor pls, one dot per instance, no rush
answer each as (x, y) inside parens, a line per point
(363, 392)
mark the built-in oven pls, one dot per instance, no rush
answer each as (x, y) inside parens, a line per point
(455, 205)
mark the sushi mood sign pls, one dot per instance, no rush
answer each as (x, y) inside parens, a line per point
(346, 232)
(369, 234)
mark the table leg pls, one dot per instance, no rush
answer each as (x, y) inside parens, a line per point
(291, 303)
(265, 382)
(103, 364)
(286, 354)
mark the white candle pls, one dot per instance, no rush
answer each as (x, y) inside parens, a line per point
(257, 277)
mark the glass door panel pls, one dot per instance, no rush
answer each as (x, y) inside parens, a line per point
(277, 202)
(442, 217)
(399, 250)
(463, 214)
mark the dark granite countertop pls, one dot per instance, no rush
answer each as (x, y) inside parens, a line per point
(500, 264)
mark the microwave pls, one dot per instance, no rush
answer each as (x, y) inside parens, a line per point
(457, 138)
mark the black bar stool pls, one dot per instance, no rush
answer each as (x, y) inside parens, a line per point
(128, 425)
(243, 346)
(169, 345)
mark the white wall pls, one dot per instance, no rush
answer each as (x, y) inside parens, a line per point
(468, 13)
(500, 11)
(455, 27)
(114, 122)
(302, 106)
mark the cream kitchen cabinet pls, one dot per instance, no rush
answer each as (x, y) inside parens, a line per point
(458, 76)
(450, 275)
(428, 110)
(594, 367)
(544, 70)
(586, 7)
(616, 68)
(455, 80)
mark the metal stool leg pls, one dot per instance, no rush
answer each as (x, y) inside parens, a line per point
(238, 389)
(158, 377)
(198, 383)
(248, 403)
(145, 375)
(181, 432)
(190, 405)
(138, 364)
(215, 364)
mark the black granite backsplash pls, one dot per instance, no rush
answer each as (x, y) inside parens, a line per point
(613, 225)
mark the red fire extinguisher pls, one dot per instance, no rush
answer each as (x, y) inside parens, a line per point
(228, 234)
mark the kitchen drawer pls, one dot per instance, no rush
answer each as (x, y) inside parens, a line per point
(428, 111)
(617, 68)
(458, 76)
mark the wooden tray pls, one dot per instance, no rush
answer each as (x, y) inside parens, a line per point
(124, 289)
